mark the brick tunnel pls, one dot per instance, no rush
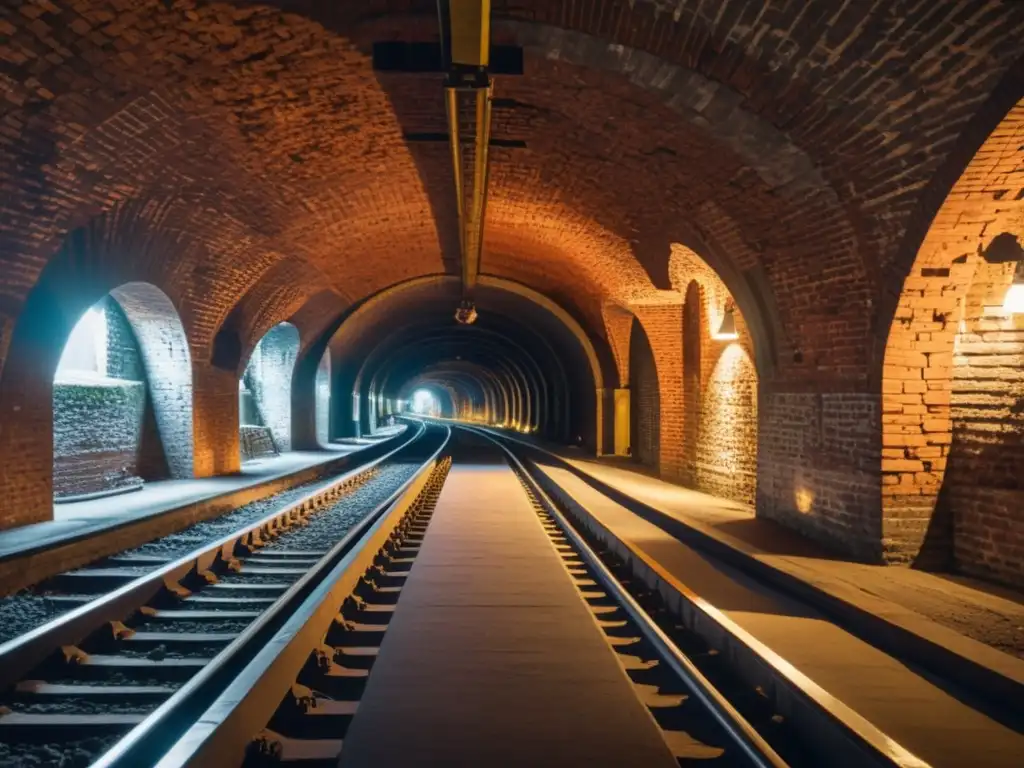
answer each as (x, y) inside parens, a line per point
(763, 250)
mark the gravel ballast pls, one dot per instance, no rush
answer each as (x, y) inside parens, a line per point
(26, 610)
(322, 530)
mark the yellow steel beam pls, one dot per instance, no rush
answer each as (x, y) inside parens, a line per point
(474, 237)
(470, 32)
(452, 108)
(470, 40)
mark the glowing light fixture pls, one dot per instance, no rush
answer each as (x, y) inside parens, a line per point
(727, 330)
(1014, 301)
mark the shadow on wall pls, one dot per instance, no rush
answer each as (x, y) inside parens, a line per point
(645, 408)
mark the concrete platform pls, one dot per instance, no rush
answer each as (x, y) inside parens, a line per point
(26, 552)
(491, 658)
(979, 622)
(923, 717)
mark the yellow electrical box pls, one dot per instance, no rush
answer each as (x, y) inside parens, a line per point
(470, 32)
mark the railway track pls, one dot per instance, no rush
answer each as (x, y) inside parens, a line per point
(147, 640)
(258, 656)
(306, 686)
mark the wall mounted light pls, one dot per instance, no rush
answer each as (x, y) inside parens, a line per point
(727, 330)
(1014, 301)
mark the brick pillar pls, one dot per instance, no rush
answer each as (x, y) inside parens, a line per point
(215, 420)
(663, 324)
(26, 445)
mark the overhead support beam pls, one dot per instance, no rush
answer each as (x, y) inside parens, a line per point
(470, 22)
(424, 58)
(481, 172)
(426, 137)
(466, 46)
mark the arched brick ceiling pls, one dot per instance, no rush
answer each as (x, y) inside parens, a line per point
(428, 306)
(795, 138)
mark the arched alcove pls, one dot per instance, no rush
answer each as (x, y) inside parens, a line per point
(720, 383)
(265, 392)
(122, 396)
(645, 405)
(952, 383)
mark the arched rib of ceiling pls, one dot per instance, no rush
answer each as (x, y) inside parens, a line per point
(550, 361)
(513, 358)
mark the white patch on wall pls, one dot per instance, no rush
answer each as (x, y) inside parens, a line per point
(85, 353)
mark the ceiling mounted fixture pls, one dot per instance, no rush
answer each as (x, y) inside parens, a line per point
(465, 49)
(466, 313)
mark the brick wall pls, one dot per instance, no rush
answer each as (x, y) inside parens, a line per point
(269, 377)
(726, 451)
(818, 467)
(645, 416)
(720, 385)
(663, 329)
(983, 489)
(163, 355)
(124, 361)
(925, 515)
(96, 435)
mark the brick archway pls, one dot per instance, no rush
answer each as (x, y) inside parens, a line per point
(130, 419)
(950, 386)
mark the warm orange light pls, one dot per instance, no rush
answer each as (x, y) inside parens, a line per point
(804, 500)
(1014, 302)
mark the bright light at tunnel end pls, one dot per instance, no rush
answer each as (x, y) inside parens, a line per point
(424, 402)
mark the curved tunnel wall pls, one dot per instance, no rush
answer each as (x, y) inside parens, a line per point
(533, 366)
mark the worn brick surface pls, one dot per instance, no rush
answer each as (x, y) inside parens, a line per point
(951, 433)
(96, 436)
(268, 375)
(245, 160)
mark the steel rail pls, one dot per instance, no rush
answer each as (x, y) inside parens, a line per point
(860, 734)
(753, 746)
(208, 701)
(24, 652)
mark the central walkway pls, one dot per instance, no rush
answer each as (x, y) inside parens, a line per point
(492, 658)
